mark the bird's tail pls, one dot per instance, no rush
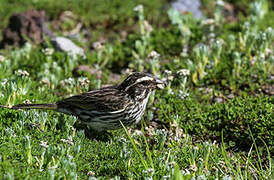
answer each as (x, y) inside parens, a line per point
(52, 106)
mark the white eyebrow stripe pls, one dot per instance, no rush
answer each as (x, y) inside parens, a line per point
(146, 78)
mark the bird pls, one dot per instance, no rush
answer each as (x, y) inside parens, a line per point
(109, 107)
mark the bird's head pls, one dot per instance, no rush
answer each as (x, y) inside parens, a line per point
(139, 85)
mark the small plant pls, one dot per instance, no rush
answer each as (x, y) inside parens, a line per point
(216, 51)
(201, 55)
(237, 64)
(104, 53)
(218, 14)
(258, 9)
(182, 23)
(142, 46)
(27, 148)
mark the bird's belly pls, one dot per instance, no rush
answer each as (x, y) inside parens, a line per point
(102, 121)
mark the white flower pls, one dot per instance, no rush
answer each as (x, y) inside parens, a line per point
(267, 51)
(153, 55)
(193, 167)
(208, 21)
(167, 72)
(27, 101)
(97, 46)
(2, 58)
(183, 94)
(45, 81)
(48, 51)
(220, 3)
(22, 73)
(150, 170)
(44, 144)
(69, 141)
(169, 76)
(3, 82)
(183, 72)
(91, 173)
(147, 26)
(137, 133)
(84, 81)
(139, 8)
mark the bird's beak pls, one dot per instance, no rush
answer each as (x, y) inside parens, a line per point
(160, 84)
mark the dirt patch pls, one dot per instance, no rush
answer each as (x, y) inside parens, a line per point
(29, 25)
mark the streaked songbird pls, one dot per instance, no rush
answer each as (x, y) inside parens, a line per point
(105, 108)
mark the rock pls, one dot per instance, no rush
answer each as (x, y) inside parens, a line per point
(188, 6)
(230, 96)
(66, 45)
(30, 24)
(268, 89)
(218, 99)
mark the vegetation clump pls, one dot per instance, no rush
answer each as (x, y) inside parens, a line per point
(213, 120)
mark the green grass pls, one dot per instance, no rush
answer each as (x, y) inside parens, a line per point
(216, 122)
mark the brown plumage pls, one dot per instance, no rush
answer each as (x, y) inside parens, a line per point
(103, 109)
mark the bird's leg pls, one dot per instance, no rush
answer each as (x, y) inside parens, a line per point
(93, 134)
(97, 135)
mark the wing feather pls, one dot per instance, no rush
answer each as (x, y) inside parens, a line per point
(106, 100)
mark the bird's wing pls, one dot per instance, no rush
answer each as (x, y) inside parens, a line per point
(98, 100)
